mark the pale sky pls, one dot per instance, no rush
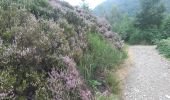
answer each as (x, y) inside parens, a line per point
(92, 3)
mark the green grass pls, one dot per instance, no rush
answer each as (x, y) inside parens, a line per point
(164, 47)
(100, 96)
(101, 55)
(112, 82)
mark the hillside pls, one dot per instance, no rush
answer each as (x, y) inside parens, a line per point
(50, 50)
(130, 7)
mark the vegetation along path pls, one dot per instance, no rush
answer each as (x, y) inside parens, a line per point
(149, 78)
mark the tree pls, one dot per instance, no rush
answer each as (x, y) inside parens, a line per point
(114, 15)
(151, 14)
(85, 5)
(166, 26)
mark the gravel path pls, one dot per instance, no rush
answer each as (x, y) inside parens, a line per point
(149, 78)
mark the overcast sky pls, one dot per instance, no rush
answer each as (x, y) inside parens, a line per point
(92, 3)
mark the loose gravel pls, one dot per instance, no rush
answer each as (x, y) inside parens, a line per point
(149, 77)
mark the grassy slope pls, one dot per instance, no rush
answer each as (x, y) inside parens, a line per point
(101, 58)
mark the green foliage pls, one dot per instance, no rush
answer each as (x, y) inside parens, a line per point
(121, 23)
(40, 8)
(6, 81)
(72, 18)
(114, 16)
(85, 5)
(65, 4)
(100, 96)
(94, 83)
(150, 36)
(101, 55)
(34, 38)
(124, 6)
(103, 52)
(148, 23)
(31, 45)
(166, 26)
(137, 21)
(164, 47)
(124, 27)
(29, 49)
(151, 14)
(112, 81)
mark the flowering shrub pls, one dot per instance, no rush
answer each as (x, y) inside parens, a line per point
(34, 47)
(40, 48)
(63, 83)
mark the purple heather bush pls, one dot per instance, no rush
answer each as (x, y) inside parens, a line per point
(61, 83)
(41, 45)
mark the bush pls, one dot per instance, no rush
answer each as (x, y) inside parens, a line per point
(28, 51)
(34, 39)
(40, 8)
(124, 27)
(150, 36)
(164, 47)
(165, 26)
(135, 37)
(30, 46)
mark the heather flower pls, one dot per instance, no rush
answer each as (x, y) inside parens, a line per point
(85, 94)
(7, 95)
(38, 36)
(3, 95)
(71, 81)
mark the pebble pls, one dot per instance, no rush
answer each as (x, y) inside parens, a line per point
(167, 96)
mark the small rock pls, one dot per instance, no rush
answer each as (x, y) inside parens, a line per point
(136, 90)
(167, 96)
(165, 74)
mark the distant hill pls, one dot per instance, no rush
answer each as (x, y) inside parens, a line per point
(130, 7)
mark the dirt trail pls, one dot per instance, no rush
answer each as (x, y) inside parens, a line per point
(149, 77)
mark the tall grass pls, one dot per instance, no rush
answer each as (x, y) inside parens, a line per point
(101, 55)
(100, 96)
